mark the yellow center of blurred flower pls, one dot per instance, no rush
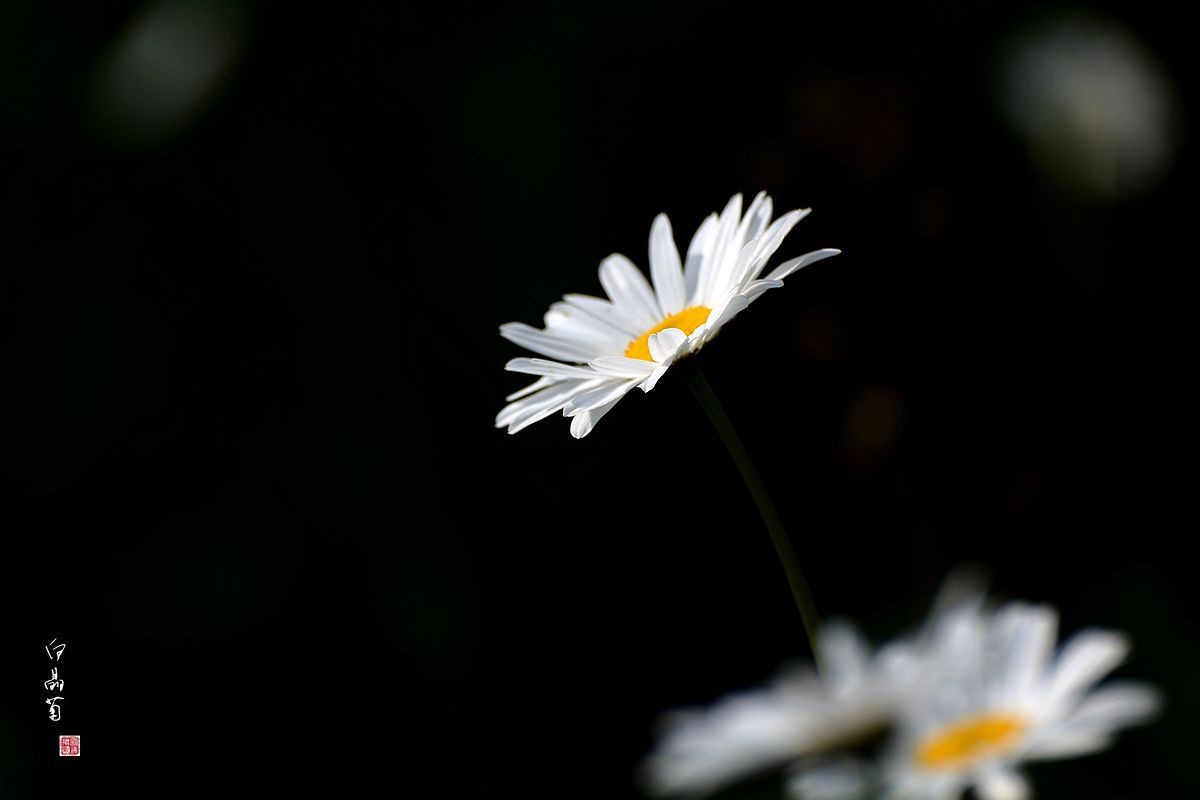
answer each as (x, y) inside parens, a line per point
(687, 321)
(968, 740)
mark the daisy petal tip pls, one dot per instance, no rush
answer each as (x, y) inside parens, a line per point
(1003, 784)
(1152, 699)
(581, 426)
(653, 378)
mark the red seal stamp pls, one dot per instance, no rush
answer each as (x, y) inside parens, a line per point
(68, 745)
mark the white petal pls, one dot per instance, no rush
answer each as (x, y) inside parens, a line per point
(605, 311)
(701, 751)
(714, 263)
(621, 367)
(519, 407)
(605, 393)
(665, 269)
(564, 319)
(1002, 784)
(742, 265)
(723, 314)
(583, 422)
(788, 267)
(768, 244)
(840, 778)
(1026, 635)
(757, 288)
(664, 343)
(523, 413)
(549, 344)
(654, 377)
(845, 654)
(539, 384)
(537, 399)
(1067, 744)
(755, 220)
(540, 366)
(1116, 706)
(523, 421)
(698, 250)
(627, 288)
(1088, 657)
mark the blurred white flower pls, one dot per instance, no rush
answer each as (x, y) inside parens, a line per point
(606, 348)
(1098, 112)
(993, 693)
(958, 705)
(800, 714)
(167, 64)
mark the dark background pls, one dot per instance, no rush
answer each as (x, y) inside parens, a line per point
(251, 366)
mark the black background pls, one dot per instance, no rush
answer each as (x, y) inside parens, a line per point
(252, 366)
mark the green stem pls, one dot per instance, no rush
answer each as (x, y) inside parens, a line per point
(779, 537)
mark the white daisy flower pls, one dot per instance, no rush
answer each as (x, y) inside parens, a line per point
(598, 350)
(994, 694)
(801, 715)
(1098, 110)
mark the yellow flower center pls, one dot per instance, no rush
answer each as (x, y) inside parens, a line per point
(687, 321)
(968, 740)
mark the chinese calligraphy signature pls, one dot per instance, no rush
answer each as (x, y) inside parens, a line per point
(54, 651)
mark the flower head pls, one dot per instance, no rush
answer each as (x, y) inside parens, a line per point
(957, 706)
(597, 350)
(996, 693)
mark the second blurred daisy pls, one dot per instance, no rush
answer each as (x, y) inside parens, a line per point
(994, 694)
(956, 707)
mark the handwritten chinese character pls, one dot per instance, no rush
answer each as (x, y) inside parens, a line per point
(55, 682)
(58, 649)
(55, 711)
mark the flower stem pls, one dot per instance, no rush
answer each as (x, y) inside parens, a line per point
(779, 537)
